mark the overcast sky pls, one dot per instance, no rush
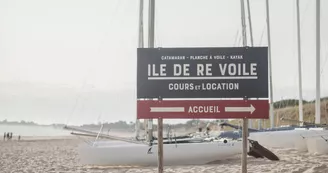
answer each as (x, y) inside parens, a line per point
(56, 53)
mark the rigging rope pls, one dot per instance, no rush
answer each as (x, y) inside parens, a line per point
(305, 10)
(264, 26)
(236, 37)
(90, 68)
(324, 64)
(76, 101)
(239, 41)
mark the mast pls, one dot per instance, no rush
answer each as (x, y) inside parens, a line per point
(270, 66)
(252, 44)
(151, 38)
(250, 23)
(140, 45)
(317, 102)
(243, 23)
(245, 121)
(141, 32)
(300, 101)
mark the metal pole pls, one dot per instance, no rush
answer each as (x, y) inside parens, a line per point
(151, 40)
(141, 32)
(140, 45)
(243, 22)
(270, 66)
(250, 23)
(245, 120)
(250, 124)
(245, 142)
(300, 101)
(317, 102)
(160, 145)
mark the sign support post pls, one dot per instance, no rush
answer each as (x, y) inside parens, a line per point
(245, 120)
(151, 40)
(160, 144)
(245, 141)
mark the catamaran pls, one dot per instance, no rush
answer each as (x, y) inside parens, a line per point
(309, 138)
(184, 150)
(292, 136)
(137, 154)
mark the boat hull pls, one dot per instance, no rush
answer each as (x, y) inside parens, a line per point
(300, 139)
(317, 141)
(277, 139)
(317, 145)
(117, 153)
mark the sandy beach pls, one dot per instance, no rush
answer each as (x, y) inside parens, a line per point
(60, 155)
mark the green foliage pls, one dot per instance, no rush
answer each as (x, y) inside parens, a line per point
(293, 102)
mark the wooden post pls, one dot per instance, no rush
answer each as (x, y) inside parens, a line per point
(160, 145)
(245, 120)
(245, 142)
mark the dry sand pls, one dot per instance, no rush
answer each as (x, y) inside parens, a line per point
(60, 155)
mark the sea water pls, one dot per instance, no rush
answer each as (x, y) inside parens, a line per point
(33, 130)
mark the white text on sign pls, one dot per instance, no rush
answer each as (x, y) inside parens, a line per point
(225, 69)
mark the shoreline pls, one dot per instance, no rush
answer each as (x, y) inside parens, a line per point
(37, 138)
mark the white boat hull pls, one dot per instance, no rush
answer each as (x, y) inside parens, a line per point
(316, 141)
(277, 139)
(300, 139)
(317, 145)
(117, 153)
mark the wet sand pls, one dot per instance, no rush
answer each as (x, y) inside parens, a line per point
(60, 155)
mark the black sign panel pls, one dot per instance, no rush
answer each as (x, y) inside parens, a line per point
(238, 72)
